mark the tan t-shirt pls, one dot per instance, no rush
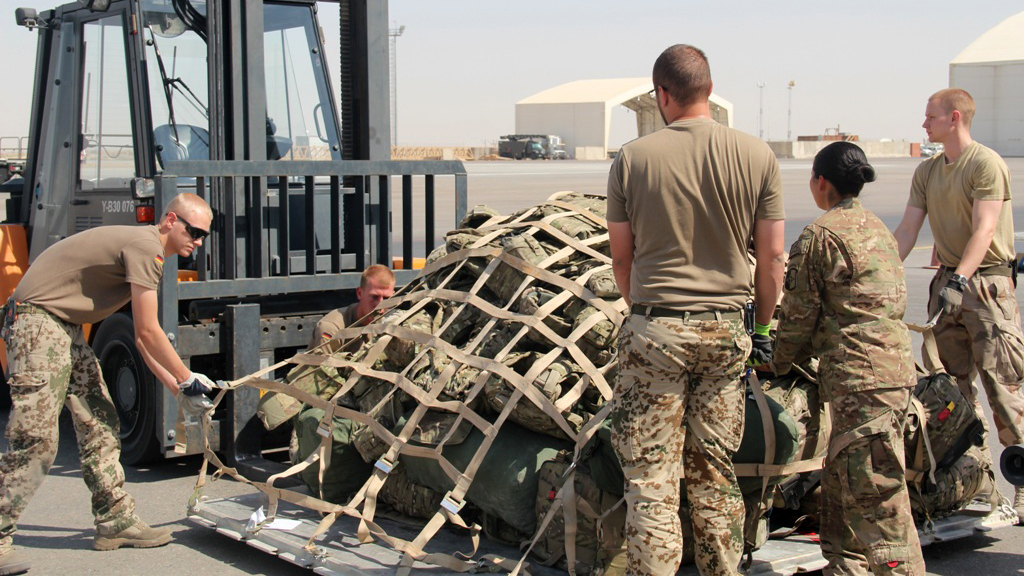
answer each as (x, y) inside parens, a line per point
(691, 193)
(332, 323)
(947, 193)
(88, 276)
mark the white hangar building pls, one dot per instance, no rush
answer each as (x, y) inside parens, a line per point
(580, 113)
(992, 70)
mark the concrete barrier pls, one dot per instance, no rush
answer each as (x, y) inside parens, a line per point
(872, 148)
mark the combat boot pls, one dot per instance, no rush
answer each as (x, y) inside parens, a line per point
(138, 535)
(13, 562)
(1018, 503)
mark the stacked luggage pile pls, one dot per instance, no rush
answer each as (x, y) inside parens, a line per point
(479, 399)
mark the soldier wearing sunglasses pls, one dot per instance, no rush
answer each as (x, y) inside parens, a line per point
(83, 279)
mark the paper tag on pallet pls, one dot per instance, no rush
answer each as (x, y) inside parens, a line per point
(278, 524)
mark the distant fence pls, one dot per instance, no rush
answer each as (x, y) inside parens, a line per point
(14, 147)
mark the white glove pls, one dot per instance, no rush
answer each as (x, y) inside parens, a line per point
(196, 385)
(194, 406)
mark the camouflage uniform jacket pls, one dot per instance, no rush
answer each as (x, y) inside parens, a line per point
(844, 299)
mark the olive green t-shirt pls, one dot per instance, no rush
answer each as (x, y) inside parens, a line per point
(691, 193)
(332, 323)
(947, 193)
(88, 276)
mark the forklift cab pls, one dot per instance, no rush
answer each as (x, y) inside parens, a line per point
(123, 87)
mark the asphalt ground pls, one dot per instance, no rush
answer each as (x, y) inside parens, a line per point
(56, 530)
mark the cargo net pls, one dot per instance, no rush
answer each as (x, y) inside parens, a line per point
(479, 399)
(505, 340)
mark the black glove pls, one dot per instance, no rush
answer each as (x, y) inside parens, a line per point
(761, 351)
(951, 297)
(196, 385)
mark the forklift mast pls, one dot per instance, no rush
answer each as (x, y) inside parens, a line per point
(138, 100)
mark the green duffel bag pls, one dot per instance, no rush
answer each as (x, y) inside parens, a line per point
(752, 446)
(505, 485)
(347, 471)
(599, 453)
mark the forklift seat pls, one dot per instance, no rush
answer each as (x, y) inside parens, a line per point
(192, 143)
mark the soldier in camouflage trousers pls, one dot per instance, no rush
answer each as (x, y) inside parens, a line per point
(52, 365)
(964, 192)
(679, 405)
(844, 300)
(83, 279)
(685, 204)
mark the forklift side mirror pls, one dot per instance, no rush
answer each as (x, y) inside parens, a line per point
(27, 17)
(96, 5)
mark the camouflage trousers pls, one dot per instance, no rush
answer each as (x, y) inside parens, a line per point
(51, 366)
(678, 413)
(866, 522)
(985, 338)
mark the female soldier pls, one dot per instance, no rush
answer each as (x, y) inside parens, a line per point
(844, 299)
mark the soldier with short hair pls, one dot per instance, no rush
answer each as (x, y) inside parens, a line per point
(376, 285)
(684, 205)
(82, 280)
(844, 300)
(965, 193)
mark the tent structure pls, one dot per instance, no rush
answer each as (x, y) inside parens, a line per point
(992, 70)
(580, 112)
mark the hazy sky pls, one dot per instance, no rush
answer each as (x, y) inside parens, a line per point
(865, 66)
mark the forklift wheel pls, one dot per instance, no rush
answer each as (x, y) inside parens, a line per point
(132, 388)
(5, 392)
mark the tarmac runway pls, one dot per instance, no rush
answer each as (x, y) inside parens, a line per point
(56, 529)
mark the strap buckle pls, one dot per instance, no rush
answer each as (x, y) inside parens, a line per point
(451, 503)
(384, 465)
(324, 428)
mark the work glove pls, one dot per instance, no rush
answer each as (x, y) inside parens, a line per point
(951, 297)
(196, 385)
(195, 406)
(761, 351)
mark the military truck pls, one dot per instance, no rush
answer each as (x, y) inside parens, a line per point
(522, 145)
(518, 149)
(137, 100)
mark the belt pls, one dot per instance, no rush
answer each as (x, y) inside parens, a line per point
(997, 270)
(658, 312)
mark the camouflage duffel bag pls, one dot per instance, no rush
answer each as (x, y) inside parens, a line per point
(954, 487)
(600, 546)
(407, 498)
(347, 471)
(948, 418)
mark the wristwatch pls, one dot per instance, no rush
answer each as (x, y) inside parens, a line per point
(959, 279)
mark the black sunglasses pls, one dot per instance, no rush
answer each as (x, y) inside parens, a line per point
(195, 233)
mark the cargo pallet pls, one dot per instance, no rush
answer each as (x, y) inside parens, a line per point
(341, 554)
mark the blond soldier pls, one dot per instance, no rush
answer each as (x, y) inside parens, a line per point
(81, 280)
(965, 193)
(684, 205)
(376, 285)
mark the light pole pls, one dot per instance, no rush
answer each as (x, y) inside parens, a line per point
(760, 110)
(393, 35)
(789, 118)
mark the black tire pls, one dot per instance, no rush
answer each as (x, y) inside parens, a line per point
(132, 387)
(5, 392)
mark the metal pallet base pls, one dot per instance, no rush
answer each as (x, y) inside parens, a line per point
(340, 553)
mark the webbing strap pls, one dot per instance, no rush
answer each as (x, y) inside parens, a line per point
(930, 352)
(414, 300)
